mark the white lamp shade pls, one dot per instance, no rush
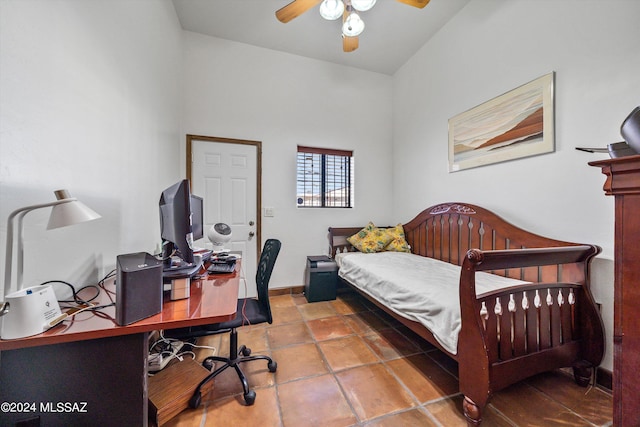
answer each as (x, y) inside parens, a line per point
(362, 5)
(73, 212)
(353, 25)
(331, 9)
(66, 210)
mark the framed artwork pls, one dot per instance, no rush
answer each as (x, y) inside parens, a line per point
(519, 123)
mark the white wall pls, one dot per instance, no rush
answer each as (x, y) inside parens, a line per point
(90, 101)
(234, 90)
(489, 48)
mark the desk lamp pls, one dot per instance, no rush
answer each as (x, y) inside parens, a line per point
(26, 318)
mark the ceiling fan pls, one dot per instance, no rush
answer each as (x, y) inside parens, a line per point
(352, 24)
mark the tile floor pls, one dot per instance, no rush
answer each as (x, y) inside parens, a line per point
(345, 363)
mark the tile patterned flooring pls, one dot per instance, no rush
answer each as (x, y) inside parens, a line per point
(346, 363)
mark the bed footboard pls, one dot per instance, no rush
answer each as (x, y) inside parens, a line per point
(511, 334)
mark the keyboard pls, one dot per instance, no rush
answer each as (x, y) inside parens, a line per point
(218, 267)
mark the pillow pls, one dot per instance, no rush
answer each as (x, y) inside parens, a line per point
(398, 242)
(370, 239)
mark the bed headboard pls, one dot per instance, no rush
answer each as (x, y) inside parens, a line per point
(448, 230)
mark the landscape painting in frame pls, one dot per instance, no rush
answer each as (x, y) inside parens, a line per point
(519, 123)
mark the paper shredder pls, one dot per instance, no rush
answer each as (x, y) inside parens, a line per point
(321, 279)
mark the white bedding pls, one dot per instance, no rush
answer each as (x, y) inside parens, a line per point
(415, 287)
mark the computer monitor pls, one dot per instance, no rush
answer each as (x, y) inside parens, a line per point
(175, 224)
(197, 217)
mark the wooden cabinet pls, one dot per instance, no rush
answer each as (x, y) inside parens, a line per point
(623, 182)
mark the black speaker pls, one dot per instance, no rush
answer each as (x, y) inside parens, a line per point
(138, 287)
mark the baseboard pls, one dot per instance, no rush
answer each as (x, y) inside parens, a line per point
(298, 290)
(286, 291)
(604, 378)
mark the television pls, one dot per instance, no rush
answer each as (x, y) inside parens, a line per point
(176, 227)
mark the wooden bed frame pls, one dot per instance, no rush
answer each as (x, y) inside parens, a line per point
(550, 323)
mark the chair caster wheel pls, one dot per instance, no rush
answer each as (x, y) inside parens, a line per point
(194, 402)
(250, 397)
(208, 364)
(246, 352)
(273, 366)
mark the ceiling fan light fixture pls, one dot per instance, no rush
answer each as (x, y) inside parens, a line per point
(353, 25)
(362, 5)
(331, 9)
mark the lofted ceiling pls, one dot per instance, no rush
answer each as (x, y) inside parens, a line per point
(393, 31)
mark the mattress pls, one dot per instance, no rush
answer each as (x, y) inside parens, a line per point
(418, 288)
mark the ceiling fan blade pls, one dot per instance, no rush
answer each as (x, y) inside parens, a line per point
(295, 9)
(349, 44)
(415, 3)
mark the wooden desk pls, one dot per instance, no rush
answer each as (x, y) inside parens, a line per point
(89, 370)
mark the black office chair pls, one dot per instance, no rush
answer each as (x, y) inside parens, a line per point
(250, 311)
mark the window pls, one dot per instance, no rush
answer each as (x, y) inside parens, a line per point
(324, 178)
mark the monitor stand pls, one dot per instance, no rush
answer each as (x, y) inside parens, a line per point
(177, 281)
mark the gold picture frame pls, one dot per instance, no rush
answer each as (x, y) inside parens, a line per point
(517, 124)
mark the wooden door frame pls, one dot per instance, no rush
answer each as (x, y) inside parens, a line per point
(258, 145)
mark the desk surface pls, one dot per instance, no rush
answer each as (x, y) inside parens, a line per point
(213, 300)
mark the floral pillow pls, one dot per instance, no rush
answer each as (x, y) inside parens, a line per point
(398, 243)
(370, 239)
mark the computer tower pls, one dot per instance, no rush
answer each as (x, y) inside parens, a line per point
(138, 287)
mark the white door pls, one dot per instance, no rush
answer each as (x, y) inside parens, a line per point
(225, 176)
